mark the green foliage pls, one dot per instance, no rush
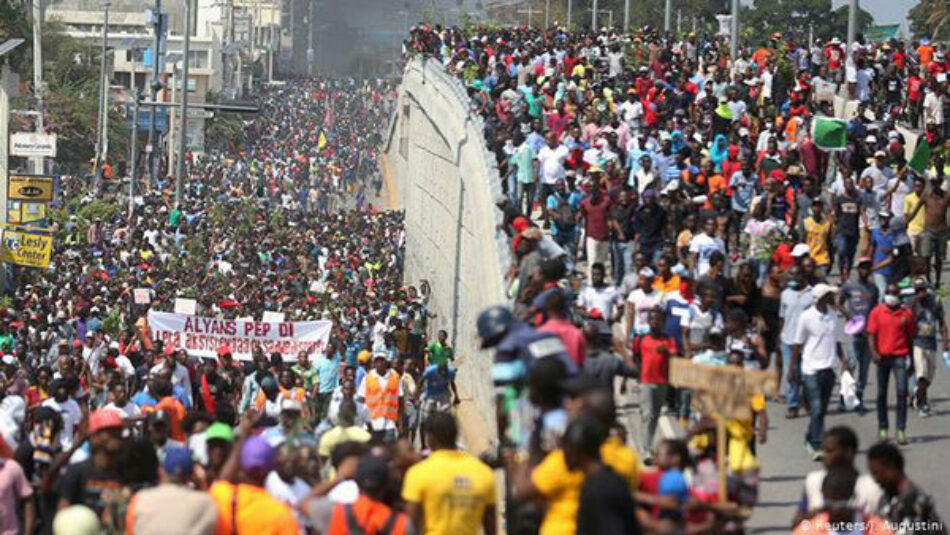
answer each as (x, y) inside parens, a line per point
(112, 323)
(15, 24)
(930, 18)
(793, 17)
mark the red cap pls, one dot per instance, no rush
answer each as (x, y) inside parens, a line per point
(224, 350)
(168, 350)
(595, 314)
(104, 419)
(77, 343)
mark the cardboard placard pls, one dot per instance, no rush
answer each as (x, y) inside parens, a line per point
(142, 296)
(186, 306)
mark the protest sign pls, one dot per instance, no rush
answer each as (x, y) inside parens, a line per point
(722, 389)
(25, 249)
(142, 296)
(185, 306)
(202, 337)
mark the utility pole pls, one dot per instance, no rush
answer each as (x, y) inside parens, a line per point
(547, 13)
(734, 30)
(852, 27)
(183, 135)
(626, 16)
(134, 155)
(593, 18)
(570, 11)
(310, 28)
(530, 12)
(667, 12)
(38, 167)
(155, 86)
(103, 94)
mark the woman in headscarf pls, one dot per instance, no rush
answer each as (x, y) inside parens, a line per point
(719, 152)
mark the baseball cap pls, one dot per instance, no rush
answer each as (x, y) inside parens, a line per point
(800, 249)
(363, 356)
(104, 419)
(290, 405)
(224, 350)
(257, 453)
(219, 431)
(880, 154)
(920, 283)
(646, 273)
(178, 461)
(821, 289)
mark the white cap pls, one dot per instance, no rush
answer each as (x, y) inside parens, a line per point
(821, 289)
(647, 273)
(290, 405)
(9, 360)
(800, 249)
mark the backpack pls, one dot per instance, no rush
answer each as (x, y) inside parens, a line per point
(563, 216)
(354, 528)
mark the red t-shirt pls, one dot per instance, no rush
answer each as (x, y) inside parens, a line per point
(596, 216)
(914, 86)
(654, 364)
(572, 338)
(893, 330)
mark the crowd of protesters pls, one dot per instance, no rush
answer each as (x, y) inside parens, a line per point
(665, 201)
(106, 429)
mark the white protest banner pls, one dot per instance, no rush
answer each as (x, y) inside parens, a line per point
(272, 317)
(202, 337)
(185, 306)
(142, 296)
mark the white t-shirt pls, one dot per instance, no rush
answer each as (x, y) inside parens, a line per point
(819, 334)
(604, 299)
(642, 303)
(551, 163)
(700, 322)
(288, 493)
(704, 245)
(130, 410)
(867, 493)
(71, 414)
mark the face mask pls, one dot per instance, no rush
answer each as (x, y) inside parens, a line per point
(891, 300)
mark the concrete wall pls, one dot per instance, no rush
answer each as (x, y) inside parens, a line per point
(446, 181)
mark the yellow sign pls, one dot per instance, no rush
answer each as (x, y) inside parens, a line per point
(30, 188)
(22, 213)
(25, 249)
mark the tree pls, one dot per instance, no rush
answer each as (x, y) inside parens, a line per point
(793, 18)
(930, 18)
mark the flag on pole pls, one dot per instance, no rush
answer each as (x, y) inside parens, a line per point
(829, 133)
(920, 161)
(321, 141)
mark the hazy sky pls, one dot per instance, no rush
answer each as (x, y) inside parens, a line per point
(885, 11)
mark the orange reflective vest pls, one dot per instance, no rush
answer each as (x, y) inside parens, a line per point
(382, 402)
(366, 516)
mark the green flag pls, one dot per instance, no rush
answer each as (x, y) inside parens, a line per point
(920, 161)
(829, 133)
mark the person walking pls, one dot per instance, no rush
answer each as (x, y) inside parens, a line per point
(382, 392)
(818, 339)
(195, 511)
(929, 322)
(891, 330)
(653, 351)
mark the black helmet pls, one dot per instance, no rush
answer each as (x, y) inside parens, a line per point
(493, 323)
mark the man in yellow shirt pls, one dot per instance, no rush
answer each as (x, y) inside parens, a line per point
(560, 487)
(451, 492)
(916, 225)
(818, 235)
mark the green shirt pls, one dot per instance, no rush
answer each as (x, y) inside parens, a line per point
(523, 160)
(174, 218)
(308, 375)
(439, 353)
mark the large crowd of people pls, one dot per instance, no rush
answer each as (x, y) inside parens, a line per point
(665, 201)
(106, 428)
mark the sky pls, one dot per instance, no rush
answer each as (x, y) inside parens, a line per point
(884, 11)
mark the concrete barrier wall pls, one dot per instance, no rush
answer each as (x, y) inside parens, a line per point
(446, 180)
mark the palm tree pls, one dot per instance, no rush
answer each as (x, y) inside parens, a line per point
(939, 17)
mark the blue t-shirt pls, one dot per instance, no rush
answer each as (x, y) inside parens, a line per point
(436, 384)
(328, 372)
(883, 244)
